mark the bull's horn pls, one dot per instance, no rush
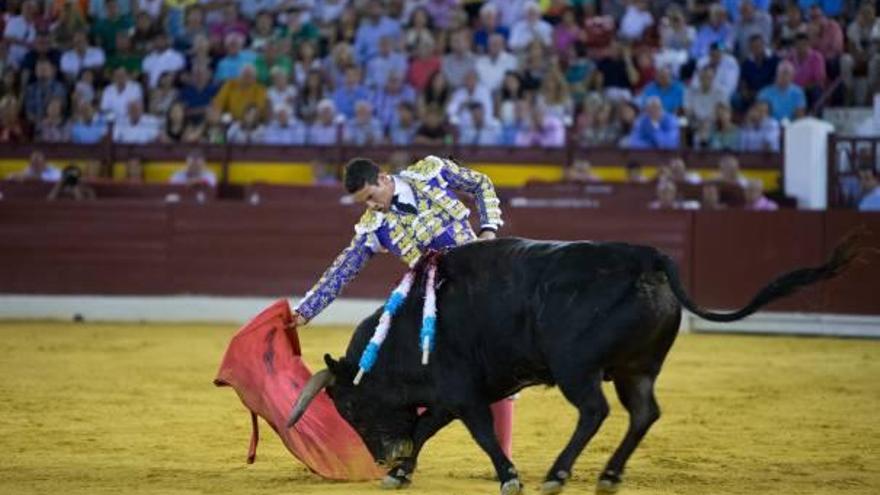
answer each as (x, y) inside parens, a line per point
(317, 382)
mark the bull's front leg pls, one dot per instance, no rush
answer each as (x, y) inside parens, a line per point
(478, 420)
(428, 424)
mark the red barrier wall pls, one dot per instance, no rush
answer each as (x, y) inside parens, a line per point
(234, 248)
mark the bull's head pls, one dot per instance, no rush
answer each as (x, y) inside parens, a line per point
(385, 427)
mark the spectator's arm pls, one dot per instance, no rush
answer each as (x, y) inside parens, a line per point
(221, 99)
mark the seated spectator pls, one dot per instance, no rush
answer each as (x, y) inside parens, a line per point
(388, 98)
(271, 57)
(711, 198)
(307, 61)
(371, 29)
(44, 89)
(635, 173)
(752, 22)
(387, 61)
(248, 130)
(489, 25)
(20, 31)
(556, 97)
(480, 128)
(667, 198)
(196, 172)
(670, 91)
(418, 30)
(38, 169)
(145, 29)
(786, 99)
(724, 134)
(201, 54)
(337, 64)
(85, 88)
(192, 27)
(459, 61)
(124, 56)
(349, 93)
(230, 23)
(311, 94)
(134, 170)
(862, 56)
(403, 127)
(236, 95)
(423, 66)
(635, 21)
(214, 129)
(542, 129)
(162, 59)
(600, 30)
(759, 132)
(263, 30)
(437, 94)
(625, 115)
(198, 93)
(299, 28)
(701, 101)
(433, 130)
(596, 126)
(567, 33)
(136, 128)
(580, 72)
(534, 67)
(70, 20)
(716, 31)
(654, 128)
(581, 171)
(443, 13)
(281, 92)
(81, 56)
(617, 74)
(728, 172)
(792, 24)
(676, 39)
(871, 190)
(531, 28)
(41, 50)
(69, 186)
(725, 66)
(284, 129)
(175, 124)
(758, 71)
(496, 62)
(363, 129)
(511, 92)
(116, 97)
(826, 34)
(676, 171)
(163, 95)
(755, 199)
(324, 131)
(87, 127)
(470, 92)
(52, 128)
(809, 68)
(235, 60)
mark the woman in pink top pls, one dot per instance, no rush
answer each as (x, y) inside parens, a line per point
(809, 66)
(755, 199)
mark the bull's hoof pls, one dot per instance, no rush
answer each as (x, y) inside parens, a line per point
(609, 482)
(511, 487)
(396, 479)
(551, 487)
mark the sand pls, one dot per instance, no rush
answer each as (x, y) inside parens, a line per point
(113, 408)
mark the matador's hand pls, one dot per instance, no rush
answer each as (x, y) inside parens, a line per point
(298, 321)
(487, 235)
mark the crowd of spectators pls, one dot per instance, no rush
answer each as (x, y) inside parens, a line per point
(633, 73)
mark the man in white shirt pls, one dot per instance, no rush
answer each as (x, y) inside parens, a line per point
(196, 172)
(284, 129)
(636, 19)
(480, 129)
(162, 59)
(20, 32)
(137, 128)
(701, 100)
(725, 66)
(81, 56)
(531, 28)
(117, 96)
(492, 66)
(471, 92)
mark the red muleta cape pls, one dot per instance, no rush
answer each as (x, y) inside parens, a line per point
(263, 364)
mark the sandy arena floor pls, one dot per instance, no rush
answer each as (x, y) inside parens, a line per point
(93, 409)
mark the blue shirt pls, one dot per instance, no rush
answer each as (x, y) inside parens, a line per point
(385, 104)
(194, 97)
(871, 202)
(757, 76)
(481, 37)
(732, 7)
(379, 68)
(367, 36)
(323, 135)
(708, 35)
(88, 132)
(230, 65)
(832, 8)
(292, 133)
(671, 96)
(345, 98)
(783, 102)
(647, 135)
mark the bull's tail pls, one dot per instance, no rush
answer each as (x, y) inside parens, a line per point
(784, 285)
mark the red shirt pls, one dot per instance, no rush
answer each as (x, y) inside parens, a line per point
(421, 70)
(809, 71)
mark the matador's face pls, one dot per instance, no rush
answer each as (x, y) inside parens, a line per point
(377, 196)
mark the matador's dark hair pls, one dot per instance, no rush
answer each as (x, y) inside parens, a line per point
(359, 172)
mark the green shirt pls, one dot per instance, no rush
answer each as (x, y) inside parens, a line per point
(105, 31)
(129, 61)
(263, 69)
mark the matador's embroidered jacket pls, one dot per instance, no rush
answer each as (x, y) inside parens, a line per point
(441, 221)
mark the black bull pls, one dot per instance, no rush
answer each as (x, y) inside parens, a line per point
(514, 313)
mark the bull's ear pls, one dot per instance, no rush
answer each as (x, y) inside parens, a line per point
(332, 365)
